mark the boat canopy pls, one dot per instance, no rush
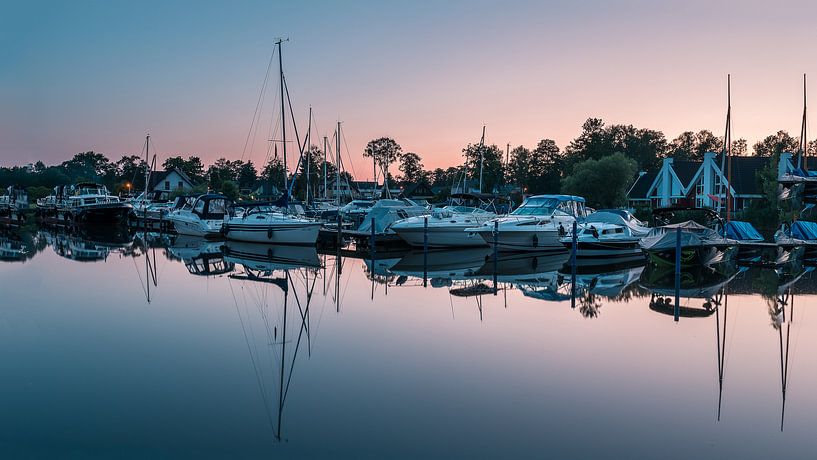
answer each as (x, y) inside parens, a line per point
(804, 230)
(560, 197)
(211, 206)
(741, 231)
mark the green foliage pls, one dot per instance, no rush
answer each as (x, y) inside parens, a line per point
(493, 171)
(230, 190)
(604, 182)
(776, 144)
(412, 168)
(645, 146)
(36, 192)
(192, 166)
(385, 151)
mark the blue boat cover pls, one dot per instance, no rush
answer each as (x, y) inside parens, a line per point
(742, 231)
(803, 172)
(804, 230)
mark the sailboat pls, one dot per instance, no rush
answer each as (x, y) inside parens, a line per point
(269, 222)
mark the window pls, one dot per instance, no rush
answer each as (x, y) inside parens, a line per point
(181, 185)
(699, 192)
(167, 185)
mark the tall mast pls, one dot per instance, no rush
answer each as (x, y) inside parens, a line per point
(481, 148)
(147, 164)
(801, 160)
(324, 167)
(283, 112)
(726, 168)
(337, 167)
(308, 153)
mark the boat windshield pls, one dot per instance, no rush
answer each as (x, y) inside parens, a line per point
(465, 210)
(544, 206)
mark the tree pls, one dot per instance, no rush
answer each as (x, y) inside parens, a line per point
(776, 144)
(519, 167)
(192, 166)
(691, 146)
(384, 151)
(230, 190)
(247, 175)
(412, 168)
(647, 147)
(131, 169)
(488, 159)
(547, 167)
(90, 166)
(604, 182)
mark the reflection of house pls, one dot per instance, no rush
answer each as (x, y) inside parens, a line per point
(702, 183)
(174, 179)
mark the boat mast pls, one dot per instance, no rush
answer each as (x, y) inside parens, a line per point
(283, 112)
(324, 167)
(481, 157)
(308, 153)
(147, 166)
(801, 160)
(726, 159)
(337, 166)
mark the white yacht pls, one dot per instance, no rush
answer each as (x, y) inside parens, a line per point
(203, 217)
(264, 223)
(608, 234)
(446, 227)
(153, 205)
(12, 205)
(536, 225)
(82, 203)
(386, 212)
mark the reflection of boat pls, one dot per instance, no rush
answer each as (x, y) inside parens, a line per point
(85, 246)
(535, 275)
(536, 225)
(800, 234)
(14, 249)
(442, 264)
(201, 256)
(608, 234)
(695, 283)
(609, 283)
(267, 257)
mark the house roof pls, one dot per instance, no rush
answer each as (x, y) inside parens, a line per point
(744, 174)
(642, 186)
(157, 177)
(685, 170)
(420, 189)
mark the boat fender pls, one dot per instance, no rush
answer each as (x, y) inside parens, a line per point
(269, 253)
(562, 231)
(595, 231)
(269, 233)
(535, 240)
(225, 228)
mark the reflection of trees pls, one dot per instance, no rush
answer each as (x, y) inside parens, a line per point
(589, 305)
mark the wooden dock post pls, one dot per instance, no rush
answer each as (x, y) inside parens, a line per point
(677, 274)
(573, 250)
(425, 251)
(496, 253)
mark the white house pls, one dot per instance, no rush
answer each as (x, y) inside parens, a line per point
(170, 181)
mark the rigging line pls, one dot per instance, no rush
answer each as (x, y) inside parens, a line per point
(348, 154)
(258, 104)
(258, 376)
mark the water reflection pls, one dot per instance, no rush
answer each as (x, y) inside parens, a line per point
(394, 300)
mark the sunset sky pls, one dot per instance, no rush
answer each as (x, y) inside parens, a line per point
(77, 76)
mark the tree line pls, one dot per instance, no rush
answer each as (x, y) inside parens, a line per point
(599, 164)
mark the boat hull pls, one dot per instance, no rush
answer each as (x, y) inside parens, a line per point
(196, 228)
(441, 237)
(296, 234)
(693, 255)
(605, 250)
(528, 240)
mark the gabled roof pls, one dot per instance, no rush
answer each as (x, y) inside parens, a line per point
(420, 189)
(685, 170)
(642, 186)
(157, 177)
(744, 174)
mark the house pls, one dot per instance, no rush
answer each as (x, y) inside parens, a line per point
(347, 189)
(417, 191)
(171, 180)
(370, 189)
(703, 183)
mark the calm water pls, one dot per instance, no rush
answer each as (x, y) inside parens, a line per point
(189, 350)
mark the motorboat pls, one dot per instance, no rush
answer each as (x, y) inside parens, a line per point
(700, 244)
(355, 210)
(264, 223)
(444, 227)
(608, 234)
(799, 234)
(83, 203)
(12, 206)
(386, 212)
(203, 217)
(536, 225)
(152, 205)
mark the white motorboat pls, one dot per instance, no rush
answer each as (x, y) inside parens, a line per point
(153, 205)
(264, 223)
(536, 225)
(446, 227)
(83, 203)
(386, 212)
(203, 217)
(608, 234)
